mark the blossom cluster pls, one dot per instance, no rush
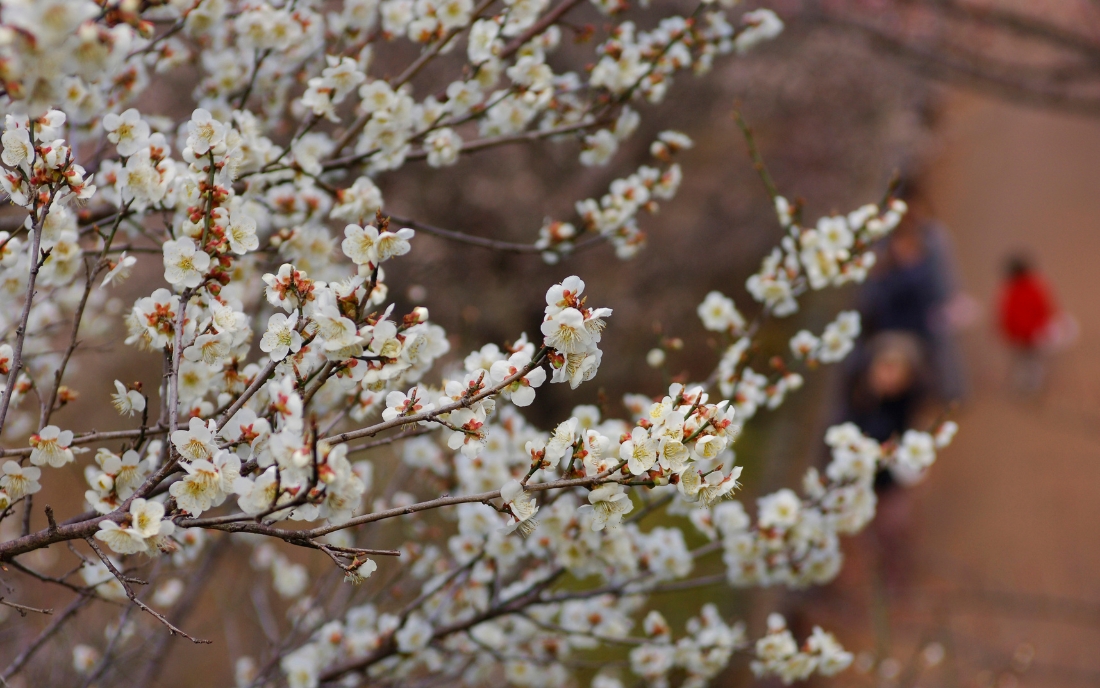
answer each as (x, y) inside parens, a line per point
(796, 540)
(778, 654)
(261, 230)
(41, 168)
(750, 390)
(834, 252)
(614, 215)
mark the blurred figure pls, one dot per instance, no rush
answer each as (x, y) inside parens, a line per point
(887, 396)
(889, 392)
(913, 289)
(909, 359)
(1030, 323)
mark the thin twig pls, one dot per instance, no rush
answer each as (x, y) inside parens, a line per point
(21, 332)
(183, 607)
(125, 581)
(408, 73)
(93, 436)
(67, 613)
(298, 536)
(108, 652)
(754, 153)
(92, 273)
(23, 609)
(257, 383)
(465, 402)
(502, 608)
(538, 27)
(373, 444)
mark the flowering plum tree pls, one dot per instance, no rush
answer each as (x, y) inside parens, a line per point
(286, 369)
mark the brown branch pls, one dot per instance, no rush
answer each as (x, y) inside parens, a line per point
(525, 136)
(465, 402)
(94, 215)
(23, 609)
(255, 74)
(183, 607)
(470, 239)
(51, 579)
(21, 660)
(408, 73)
(174, 369)
(555, 628)
(94, 437)
(92, 273)
(426, 57)
(11, 224)
(21, 331)
(476, 144)
(754, 154)
(304, 537)
(176, 27)
(971, 71)
(320, 378)
(257, 383)
(538, 27)
(389, 645)
(1020, 24)
(108, 652)
(125, 582)
(391, 439)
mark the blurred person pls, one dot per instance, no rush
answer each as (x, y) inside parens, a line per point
(889, 394)
(1030, 323)
(907, 362)
(913, 289)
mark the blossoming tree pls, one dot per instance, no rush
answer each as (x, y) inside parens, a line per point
(286, 369)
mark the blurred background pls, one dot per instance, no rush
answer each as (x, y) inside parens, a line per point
(983, 575)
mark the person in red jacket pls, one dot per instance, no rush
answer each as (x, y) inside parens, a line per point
(1026, 309)
(1027, 314)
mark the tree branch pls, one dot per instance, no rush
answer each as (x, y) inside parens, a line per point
(125, 582)
(67, 613)
(21, 332)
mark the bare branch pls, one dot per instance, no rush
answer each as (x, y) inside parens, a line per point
(183, 608)
(465, 402)
(493, 244)
(408, 73)
(958, 66)
(21, 332)
(23, 609)
(257, 383)
(93, 272)
(90, 437)
(23, 657)
(125, 581)
(544, 23)
(298, 536)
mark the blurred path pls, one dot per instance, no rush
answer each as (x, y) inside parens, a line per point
(1013, 509)
(998, 569)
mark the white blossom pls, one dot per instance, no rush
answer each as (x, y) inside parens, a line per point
(127, 401)
(184, 264)
(609, 503)
(282, 337)
(127, 131)
(19, 481)
(51, 447)
(197, 442)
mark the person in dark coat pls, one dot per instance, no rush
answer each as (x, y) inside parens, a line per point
(913, 289)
